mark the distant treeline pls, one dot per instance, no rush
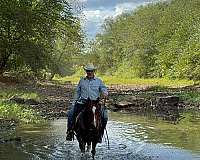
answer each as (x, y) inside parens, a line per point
(38, 36)
(157, 40)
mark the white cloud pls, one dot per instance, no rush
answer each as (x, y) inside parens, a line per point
(96, 16)
(92, 14)
(124, 7)
(82, 1)
(93, 18)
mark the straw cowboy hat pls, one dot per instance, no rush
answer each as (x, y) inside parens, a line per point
(89, 67)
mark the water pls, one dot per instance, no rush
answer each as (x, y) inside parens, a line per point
(131, 138)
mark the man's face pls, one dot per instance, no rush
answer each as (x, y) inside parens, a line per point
(90, 73)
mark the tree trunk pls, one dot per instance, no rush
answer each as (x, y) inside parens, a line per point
(3, 61)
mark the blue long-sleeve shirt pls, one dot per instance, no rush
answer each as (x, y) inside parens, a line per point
(90, 88)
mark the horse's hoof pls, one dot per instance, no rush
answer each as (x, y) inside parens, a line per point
(83, 152)
(93, 153)
(88, 148)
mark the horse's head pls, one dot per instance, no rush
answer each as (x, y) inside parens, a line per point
(93, 115)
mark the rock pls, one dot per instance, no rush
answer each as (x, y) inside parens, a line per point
(168, 100)
(123, 104)
(31, 102)
(2, 84)
(14, 139)
(17, 99)
(168, 108)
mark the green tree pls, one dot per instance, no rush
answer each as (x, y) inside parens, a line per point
(156, 40)
(30, 31)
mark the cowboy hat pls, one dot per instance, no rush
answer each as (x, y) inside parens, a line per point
(89, 67)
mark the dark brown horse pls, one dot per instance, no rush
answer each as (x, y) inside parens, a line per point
(88, 126)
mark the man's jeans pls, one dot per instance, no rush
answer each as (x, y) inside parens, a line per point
(77, 108)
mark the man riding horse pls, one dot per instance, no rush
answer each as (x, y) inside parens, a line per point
(89, 88)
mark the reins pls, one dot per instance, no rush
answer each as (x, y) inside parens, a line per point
(104, 105)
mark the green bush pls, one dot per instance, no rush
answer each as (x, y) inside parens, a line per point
(19, 113)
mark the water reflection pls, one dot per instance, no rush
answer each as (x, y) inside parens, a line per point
(131, 137)
(183, 135)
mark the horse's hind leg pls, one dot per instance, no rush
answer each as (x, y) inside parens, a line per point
(93, 149)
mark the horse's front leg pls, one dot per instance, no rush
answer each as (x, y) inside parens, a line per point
(93, 149)
(88, 146)
(82, 146)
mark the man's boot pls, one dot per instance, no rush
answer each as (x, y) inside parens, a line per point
(100, 139)
(69, 136)
(101, 135)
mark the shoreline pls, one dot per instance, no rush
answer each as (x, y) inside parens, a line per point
(53, 99)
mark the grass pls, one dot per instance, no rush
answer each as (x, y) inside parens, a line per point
(9, 92)
(155, 84)
(109, 80)
(148, 82)
(190, 96)
(17, 112)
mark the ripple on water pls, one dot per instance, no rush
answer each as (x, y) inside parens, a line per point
(127, 142)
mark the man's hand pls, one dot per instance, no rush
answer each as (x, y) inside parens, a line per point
(104, 95)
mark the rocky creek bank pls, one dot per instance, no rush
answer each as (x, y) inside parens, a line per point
(142, 100)
(165, 103)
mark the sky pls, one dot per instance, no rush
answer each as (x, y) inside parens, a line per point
(94, 12)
